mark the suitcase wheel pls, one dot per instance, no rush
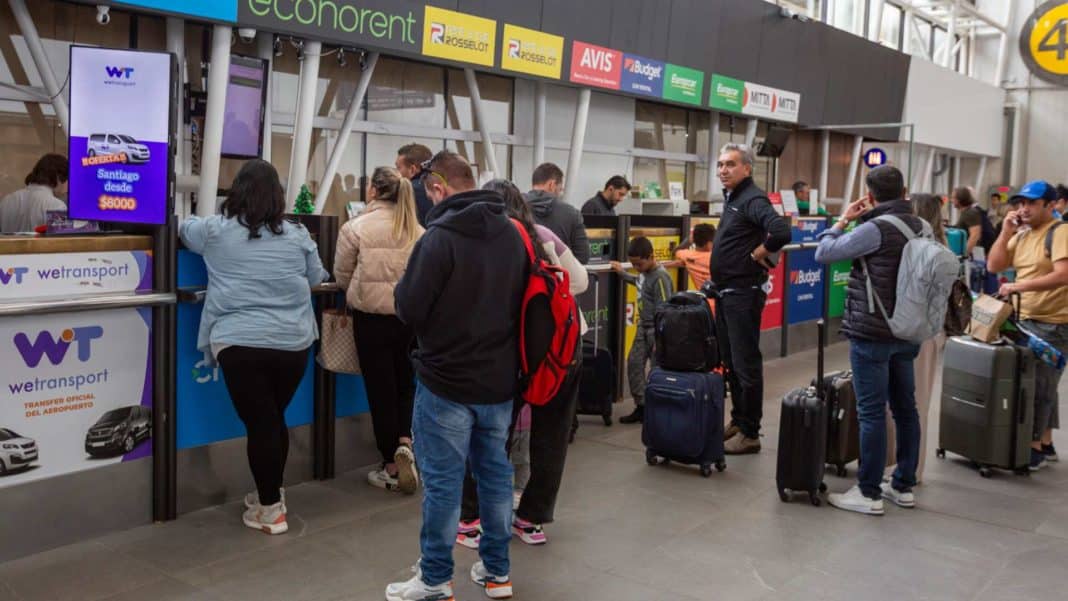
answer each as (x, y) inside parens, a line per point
(706, 470)
(784, 495)
(650, 457)
(940, 453)
(721, 465)
(607, 419)
(985, 472)
(841, 471)
(823, 487)
(814, 499)
(1023, 471)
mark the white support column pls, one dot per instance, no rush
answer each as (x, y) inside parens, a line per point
(854, 166)
(954, 214)
(578, 140)
(215, 114)
(813, 12)
(302, 127)
(947, 57)
(928, 172)
(40, 60)
(176, 46)
(540, 99)
(751, 131)
(483, 125)
(875, 26)
(906, 36)
(1003, 47)
(980, 176)
(713, 153)
(825, 169)
(346, 131)
(265, 45)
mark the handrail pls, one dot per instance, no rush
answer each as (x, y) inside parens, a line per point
(195, 295)
(605, 267)
(41, 306)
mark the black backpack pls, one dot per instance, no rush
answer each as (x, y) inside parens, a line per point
(685, 334)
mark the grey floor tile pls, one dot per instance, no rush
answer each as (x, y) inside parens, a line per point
(167, 589)
(6, 594)
(365, 499)
(82, 572)
(1036, 575)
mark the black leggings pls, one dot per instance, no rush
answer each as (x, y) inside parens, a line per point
(261, 383)
(384, 344)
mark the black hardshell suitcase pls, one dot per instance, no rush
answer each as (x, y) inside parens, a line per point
(598, 384)
(683, 419)
(843, 427)
(803, 437)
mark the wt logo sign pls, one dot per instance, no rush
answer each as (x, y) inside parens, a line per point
(12, 273)
(120, 72)
(55, 348)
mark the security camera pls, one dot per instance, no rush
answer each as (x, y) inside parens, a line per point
(247, 34)
(786, 13)
(103, 14)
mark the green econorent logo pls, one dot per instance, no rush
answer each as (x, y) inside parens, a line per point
(684, 84)
(339, 15)
(726, 92)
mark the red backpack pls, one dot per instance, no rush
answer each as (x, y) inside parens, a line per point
(548, 328)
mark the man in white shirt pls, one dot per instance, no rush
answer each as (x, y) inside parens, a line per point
(25, 209)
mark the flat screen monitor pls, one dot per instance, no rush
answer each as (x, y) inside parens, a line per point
(775, 142)
(121, 106)
(246, 97)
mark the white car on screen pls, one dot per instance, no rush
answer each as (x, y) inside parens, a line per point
(107, 144)
(16, 452)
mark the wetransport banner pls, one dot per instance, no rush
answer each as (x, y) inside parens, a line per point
(596, 66)
(747, 98)
(120, 107)
(387, 24)
(528, 51)
(75, 394)
(682, 84)
(643, 76)
(61, 275)
(457, 36)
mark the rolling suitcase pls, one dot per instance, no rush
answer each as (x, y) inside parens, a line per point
(597, 386)
(803, 437)
(684, 419)
(843, 427)
(685, 332)
(988, 393)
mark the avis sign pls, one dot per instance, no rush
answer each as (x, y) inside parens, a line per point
(596, 66)
(747, 98)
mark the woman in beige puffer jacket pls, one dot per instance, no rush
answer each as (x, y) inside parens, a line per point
(372, 254)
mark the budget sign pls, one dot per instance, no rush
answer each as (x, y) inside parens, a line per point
(642, 76)
(120, 107)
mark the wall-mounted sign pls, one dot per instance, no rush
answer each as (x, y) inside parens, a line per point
(120, 109)
(596, 66)
(642, 76)
(460, 37)
(216, 10)
(529, 51)
(1044, 42)
(393, 25)
(747, 98)
(62, 275)
(805, 291)
(775, 288)
(682, 84)
(875, 157)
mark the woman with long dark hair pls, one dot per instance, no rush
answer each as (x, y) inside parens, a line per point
(550, 424)
(372, 254)
(258, 321)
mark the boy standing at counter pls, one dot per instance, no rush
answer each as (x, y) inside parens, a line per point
(654, 287)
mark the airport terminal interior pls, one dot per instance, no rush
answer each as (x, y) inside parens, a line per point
(262, 322)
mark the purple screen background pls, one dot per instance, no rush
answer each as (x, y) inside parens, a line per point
(244, 104)
(150, 191)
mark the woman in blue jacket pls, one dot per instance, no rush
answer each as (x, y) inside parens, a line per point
(258, 321)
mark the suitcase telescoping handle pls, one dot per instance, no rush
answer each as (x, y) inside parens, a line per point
(821, 327)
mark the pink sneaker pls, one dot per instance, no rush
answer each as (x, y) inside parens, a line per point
(528, 532)
(469, 534)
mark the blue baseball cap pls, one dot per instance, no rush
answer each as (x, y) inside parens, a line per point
(1035, 190)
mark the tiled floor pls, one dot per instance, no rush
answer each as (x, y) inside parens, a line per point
(624, 532)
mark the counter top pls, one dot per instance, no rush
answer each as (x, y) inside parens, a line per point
(25, 245)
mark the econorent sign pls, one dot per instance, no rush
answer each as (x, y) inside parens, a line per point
(379, 23)
(747, 98)
(527, 51)
(457, 36)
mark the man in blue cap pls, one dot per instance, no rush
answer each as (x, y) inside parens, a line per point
(1033, 244)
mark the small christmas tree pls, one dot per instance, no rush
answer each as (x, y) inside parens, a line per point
(305, 204)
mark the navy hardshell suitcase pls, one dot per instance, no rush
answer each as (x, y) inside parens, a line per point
(683, 419)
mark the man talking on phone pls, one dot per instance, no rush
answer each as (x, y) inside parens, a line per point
(749, 233)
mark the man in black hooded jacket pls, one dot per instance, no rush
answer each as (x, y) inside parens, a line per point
(552, 212)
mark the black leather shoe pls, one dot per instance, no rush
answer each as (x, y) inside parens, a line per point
(635, 417)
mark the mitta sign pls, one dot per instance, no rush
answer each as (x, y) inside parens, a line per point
(596, 66)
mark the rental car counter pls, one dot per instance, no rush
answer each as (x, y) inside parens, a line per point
(80, 386)
(212, 463)
(602, 303)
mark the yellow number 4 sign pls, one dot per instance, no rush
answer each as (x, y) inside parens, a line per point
(1044, 42)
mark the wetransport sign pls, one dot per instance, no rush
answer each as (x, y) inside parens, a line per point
(528, 51)
(391, 24)
(682, 84)
(747, 98)
(457, 36)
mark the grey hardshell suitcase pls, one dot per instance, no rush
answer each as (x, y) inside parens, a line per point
(988, 393)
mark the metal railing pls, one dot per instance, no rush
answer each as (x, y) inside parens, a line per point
(43, 306)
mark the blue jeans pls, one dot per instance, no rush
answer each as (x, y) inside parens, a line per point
(883, 373)
(447, 436)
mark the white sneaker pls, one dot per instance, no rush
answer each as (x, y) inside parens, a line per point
(267, 518)
(901, 499)
(417, 590)
(252, 499)
(380, 478)
(854, 500)
(497, 587)
(407, 474)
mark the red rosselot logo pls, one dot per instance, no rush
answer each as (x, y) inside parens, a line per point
(437, 33)
(513, 48)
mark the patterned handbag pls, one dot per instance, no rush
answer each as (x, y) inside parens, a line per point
(337, 349)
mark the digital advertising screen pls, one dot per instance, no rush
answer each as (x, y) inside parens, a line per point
(246, 93)
(120, 109)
